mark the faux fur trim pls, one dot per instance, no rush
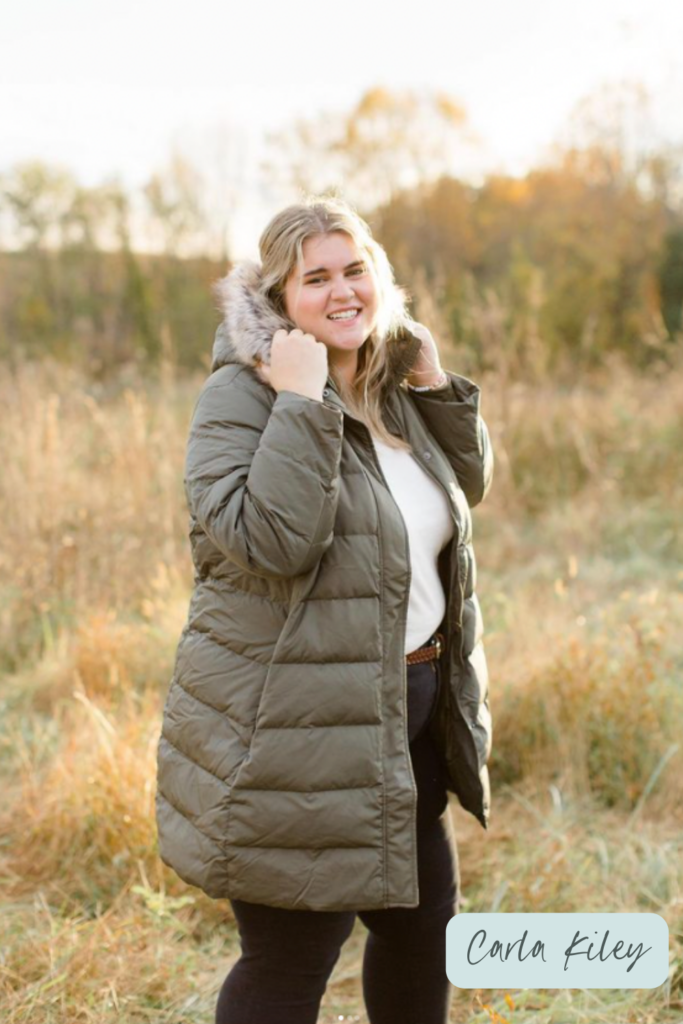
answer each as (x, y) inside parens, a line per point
(249, 320)
(249, 323)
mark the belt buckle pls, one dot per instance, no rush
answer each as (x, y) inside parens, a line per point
(439, 645)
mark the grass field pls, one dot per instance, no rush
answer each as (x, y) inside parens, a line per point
(580, 579)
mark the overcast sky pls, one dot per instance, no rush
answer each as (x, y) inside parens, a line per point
(110, 89)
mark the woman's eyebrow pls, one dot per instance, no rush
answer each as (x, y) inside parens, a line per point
(323, 270)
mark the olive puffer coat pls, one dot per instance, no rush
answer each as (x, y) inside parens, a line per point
(284, 774)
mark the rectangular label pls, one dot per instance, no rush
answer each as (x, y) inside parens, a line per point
(557, 950)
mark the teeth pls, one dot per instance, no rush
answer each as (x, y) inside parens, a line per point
(343, 316)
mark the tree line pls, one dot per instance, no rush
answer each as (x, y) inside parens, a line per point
(580, 257)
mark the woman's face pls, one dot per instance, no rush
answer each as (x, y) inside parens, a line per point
(335, 278)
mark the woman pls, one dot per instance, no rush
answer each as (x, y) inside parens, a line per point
(330, 684)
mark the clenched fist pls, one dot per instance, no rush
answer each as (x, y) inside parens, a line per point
(297, 363)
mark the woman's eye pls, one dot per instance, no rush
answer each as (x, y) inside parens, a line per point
(358, 270)
(315, 280)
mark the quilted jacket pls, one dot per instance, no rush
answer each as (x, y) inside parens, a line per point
(284, 774)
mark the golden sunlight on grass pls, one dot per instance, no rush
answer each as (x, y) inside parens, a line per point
(579, 563)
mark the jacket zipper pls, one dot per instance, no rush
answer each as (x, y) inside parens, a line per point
(404, 619)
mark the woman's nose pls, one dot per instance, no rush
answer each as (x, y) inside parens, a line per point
(341, 289)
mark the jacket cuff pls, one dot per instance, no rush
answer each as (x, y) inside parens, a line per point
(460, 390)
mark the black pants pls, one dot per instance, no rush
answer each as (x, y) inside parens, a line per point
(288, 955)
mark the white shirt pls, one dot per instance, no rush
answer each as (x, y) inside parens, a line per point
(427, 518)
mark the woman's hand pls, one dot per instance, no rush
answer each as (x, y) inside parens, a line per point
(297, 363)
(427, 367)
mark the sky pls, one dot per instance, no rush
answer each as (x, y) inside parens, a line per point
(112, 89)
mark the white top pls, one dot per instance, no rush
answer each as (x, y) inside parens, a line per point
(426, 514)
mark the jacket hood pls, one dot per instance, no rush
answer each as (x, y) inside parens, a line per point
(250, 321)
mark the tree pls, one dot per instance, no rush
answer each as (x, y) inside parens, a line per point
(388, 142)
(174, 199)
(37, 197)
(611, 139)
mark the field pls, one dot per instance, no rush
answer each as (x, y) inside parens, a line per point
(580, 579)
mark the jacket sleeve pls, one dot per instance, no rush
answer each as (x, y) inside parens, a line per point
(452, 416)
(263, 483)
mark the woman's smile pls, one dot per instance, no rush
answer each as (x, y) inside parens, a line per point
(345, 323)
(345, 316)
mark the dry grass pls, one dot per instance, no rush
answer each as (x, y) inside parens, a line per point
(599, 714)
(92, 490)
(581, 587)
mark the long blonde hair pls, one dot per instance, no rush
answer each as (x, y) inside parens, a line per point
(281, 250)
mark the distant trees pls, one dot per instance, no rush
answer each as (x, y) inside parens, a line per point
(74, 282)
(387, 142)
(592, 260)
(582, 256)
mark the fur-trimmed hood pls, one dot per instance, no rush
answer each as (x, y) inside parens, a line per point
(249, 320)
(249, 323)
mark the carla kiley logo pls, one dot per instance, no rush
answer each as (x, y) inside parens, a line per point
(557, 950)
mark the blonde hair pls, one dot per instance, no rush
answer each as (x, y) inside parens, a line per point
(281, 250)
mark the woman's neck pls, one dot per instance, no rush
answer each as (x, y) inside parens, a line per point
(346, 366)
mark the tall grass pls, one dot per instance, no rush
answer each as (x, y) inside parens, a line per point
(92, 493)
(581, 584)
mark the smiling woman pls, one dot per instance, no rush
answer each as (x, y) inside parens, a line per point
(330, 685)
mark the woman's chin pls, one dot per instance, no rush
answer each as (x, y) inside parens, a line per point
(344, 338)
(346, 341)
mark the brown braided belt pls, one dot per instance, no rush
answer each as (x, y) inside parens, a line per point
(430, 653)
